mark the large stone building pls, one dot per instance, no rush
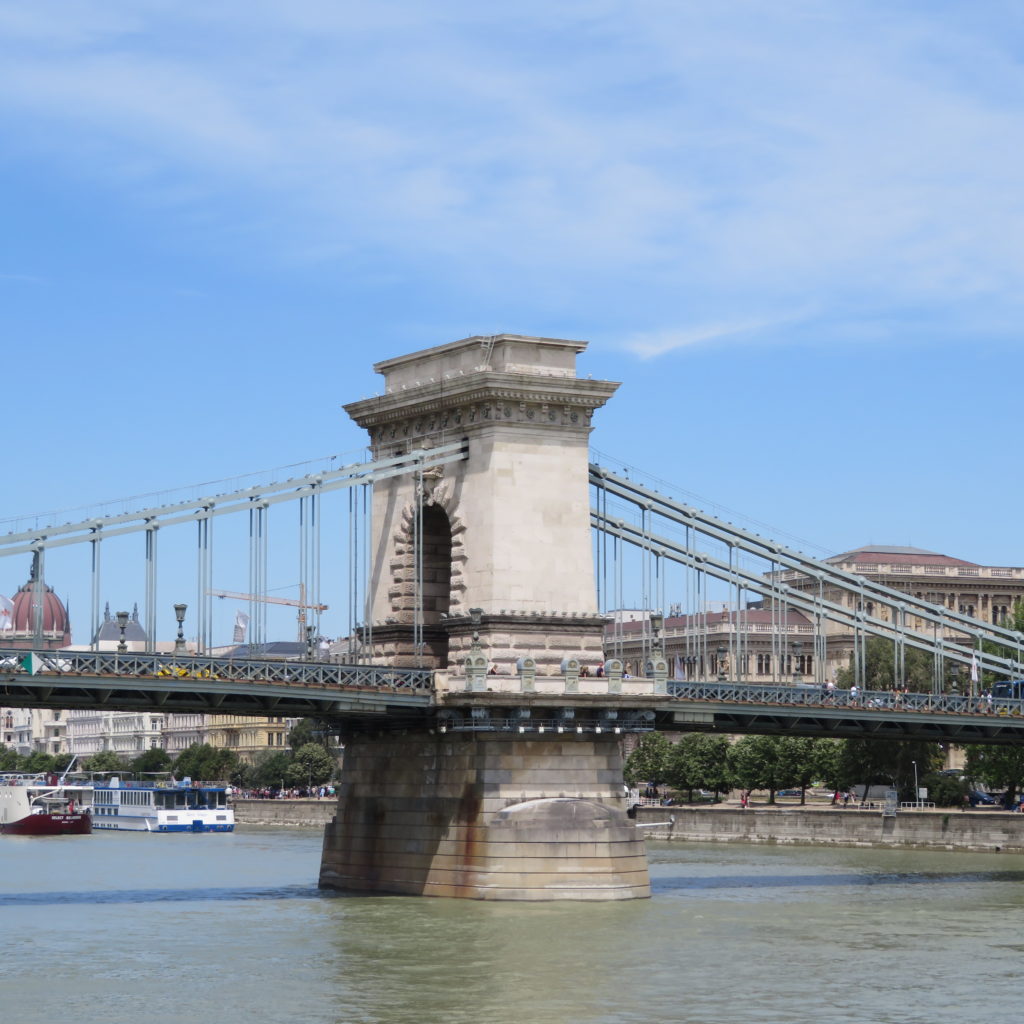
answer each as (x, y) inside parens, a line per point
(772, 645)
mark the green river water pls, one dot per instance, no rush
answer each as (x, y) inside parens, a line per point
(231, 928)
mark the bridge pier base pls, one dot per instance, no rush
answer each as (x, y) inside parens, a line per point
(491, 816)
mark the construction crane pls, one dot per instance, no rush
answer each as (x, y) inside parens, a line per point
(300, 604)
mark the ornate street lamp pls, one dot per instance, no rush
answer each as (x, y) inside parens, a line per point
(797, 648)
(657, 622)
(722, 664)
(179, 642)
(122, 624)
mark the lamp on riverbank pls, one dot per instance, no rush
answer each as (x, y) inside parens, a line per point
(179, 642)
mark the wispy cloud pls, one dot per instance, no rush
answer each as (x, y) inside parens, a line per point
(21, 278)
(850, 156)
(649, 344)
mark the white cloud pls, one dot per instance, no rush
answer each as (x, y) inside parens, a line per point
(752, 156)
(649, 344)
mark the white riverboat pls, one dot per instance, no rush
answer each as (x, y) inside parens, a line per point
(126, 806)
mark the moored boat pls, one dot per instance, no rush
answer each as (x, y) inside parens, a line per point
(44, 805)
(127, 806)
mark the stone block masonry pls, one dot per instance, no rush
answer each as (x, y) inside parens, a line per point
(485, 816)
(937, 830)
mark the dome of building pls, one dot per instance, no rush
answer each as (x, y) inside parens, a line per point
(54, 614)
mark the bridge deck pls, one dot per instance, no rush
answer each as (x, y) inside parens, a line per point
(154, 682)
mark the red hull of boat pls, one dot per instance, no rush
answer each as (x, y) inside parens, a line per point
(49, 825)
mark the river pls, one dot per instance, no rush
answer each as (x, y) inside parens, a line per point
(123, 929)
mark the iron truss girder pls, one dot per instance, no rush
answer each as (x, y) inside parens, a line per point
(701, 716)
(146, 682)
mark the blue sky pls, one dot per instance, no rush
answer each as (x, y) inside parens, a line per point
(793, 231)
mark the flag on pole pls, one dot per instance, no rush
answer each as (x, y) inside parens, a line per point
(6, 613)
(974, 668)
(241, 625)
(677, 669)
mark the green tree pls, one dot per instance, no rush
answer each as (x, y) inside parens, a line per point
(271, 768)
(104, 761)
(202, 762)
(799, 762)
(312, 730)
(156, 759)
(649, 760)
(38, 761)
(9, 759)
(310, 766)
(757, 762)
(874, 762)
(828, 769)
(945, 790)
(699, 761)
(997, 767)
(1014, 621)
(880, 670)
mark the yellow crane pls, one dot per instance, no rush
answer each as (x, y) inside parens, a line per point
(301, 604)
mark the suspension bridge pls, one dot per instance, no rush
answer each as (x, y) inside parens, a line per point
(483, 685)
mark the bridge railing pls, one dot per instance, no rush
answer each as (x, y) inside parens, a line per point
(110, 664)
(871, 700)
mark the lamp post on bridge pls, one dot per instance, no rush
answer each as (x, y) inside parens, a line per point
(122, 624)
(723, 673)
(179, 642)
(657, 622)
(797, 647)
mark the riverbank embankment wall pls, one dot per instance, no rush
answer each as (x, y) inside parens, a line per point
(286, 813)
(949, 830)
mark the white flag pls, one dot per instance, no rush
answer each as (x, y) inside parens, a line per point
(241, 625)
(974, 668)
(677, 669)
(6, 613)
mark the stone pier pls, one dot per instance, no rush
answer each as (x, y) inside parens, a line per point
(490, 816)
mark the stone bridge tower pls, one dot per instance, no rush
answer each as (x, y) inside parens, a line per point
(505, 533)
(486, 565)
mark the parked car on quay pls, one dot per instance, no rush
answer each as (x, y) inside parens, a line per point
(979, 799)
